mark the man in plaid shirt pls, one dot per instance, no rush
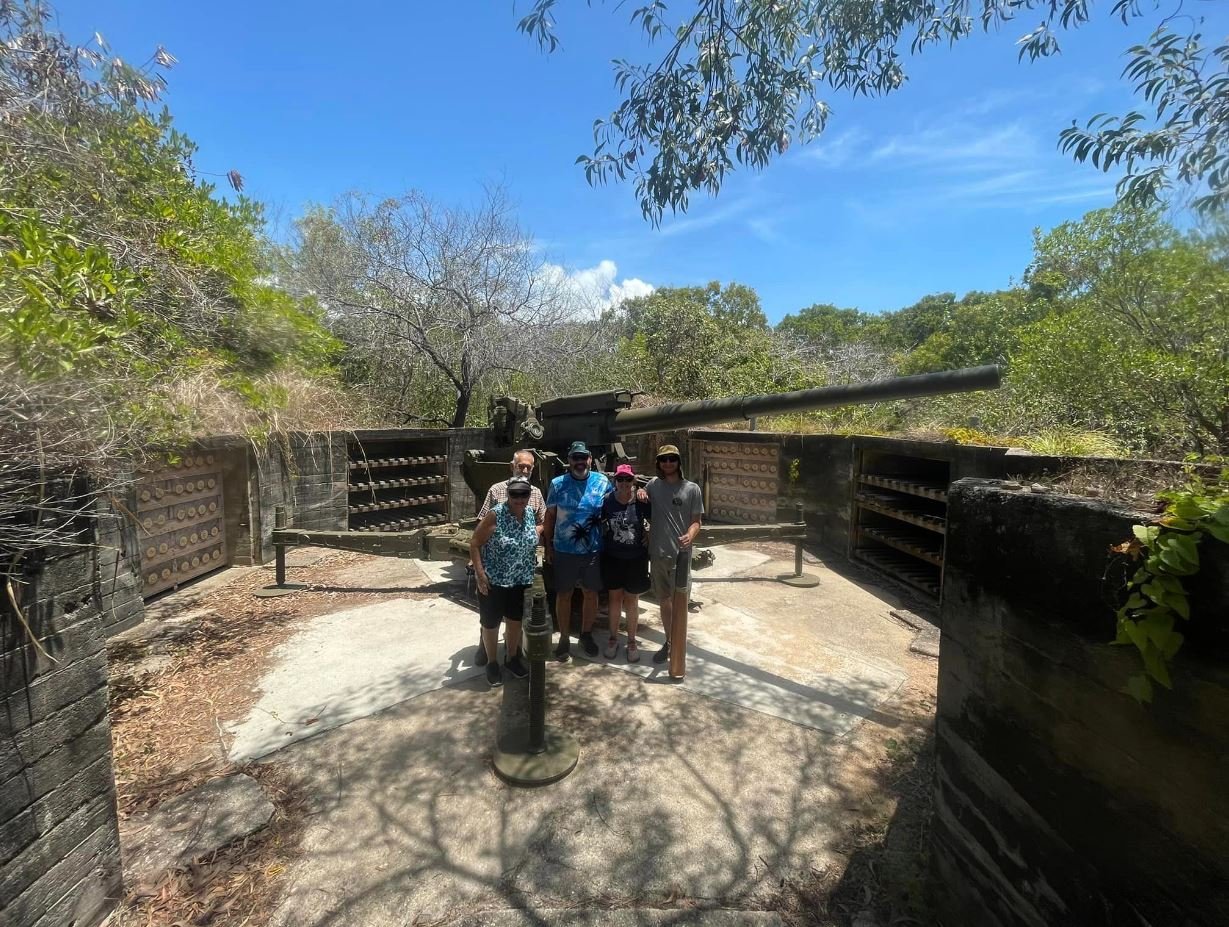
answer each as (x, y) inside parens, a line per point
(522, 465)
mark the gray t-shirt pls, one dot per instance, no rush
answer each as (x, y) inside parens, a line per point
(675, 506)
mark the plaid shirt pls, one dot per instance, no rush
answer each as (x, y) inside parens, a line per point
(499, 493)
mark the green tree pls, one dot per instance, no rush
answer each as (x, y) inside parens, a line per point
(460, 294)
(1138, 343)
(824, 323)
(981, 328)
(740, 81)
(123, 276)
(700, 342)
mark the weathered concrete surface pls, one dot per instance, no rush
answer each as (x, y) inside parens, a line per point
(354, 663)
(193, 824)
(1058, 800)
(694, 794)
(675, 795)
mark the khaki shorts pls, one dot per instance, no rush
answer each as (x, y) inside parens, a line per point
(671, 575)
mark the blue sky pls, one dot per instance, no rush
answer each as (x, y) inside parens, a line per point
(934, 188)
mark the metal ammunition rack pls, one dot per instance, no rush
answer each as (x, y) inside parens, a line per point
(899, 522)
(397, 482)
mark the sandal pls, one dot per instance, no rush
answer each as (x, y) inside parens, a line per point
(633, 651)
(612, 648)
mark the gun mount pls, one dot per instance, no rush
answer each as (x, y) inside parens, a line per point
(602, 420)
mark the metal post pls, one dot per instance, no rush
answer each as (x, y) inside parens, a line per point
(279, 550)
(798, 517)
(798, 578)
(538, 627)
(536, 756)
(281, 587)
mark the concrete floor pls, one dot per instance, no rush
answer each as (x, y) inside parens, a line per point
(706, 794)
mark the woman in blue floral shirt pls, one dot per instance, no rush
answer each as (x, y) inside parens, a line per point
(503, 552)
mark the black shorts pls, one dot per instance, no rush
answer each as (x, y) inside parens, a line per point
(503, 602)
(631, 574)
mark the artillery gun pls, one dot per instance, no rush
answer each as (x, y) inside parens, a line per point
(603, 420)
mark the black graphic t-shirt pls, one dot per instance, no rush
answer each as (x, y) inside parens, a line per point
(623, 527)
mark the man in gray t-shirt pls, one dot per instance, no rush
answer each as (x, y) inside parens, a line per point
(674, 522)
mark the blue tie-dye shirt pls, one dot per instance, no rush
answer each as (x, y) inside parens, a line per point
(578, 516)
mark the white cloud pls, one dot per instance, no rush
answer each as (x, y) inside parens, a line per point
(960, 146)
(593, 289)
(837, 151)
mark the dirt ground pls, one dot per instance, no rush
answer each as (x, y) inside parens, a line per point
(169, 736)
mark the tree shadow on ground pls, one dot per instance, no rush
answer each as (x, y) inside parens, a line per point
(888, 858)
(678, 802)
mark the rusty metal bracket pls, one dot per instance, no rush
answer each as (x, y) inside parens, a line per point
(714, 535)
(404, 544)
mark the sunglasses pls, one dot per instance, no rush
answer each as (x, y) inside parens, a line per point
(669, 459)
(579, 457)
(625, 479)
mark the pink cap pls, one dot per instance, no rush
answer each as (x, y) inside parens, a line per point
(624, 470)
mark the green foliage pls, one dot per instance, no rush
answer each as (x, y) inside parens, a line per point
(1135, 345)
(1187, 87)
(740, 81)
(981, 328)
(1165, 554)
(61, 301)
(123, 274)
(825, 323)
(692, 342)
(1069, 442)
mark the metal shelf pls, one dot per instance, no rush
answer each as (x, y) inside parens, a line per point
(393, 484)
(403, 524)
(396, 504)
(397, 462)
(892, 507)
(904, 567)
(909, 542)
(925, 489)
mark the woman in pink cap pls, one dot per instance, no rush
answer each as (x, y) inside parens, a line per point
(625, 558)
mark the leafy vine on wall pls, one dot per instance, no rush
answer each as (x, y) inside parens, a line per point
(1165, 555)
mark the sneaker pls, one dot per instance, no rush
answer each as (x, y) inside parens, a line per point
(480, 656)
(563, 651)
(612, 648)
(662, 655)
(493, 675)
(516, 666)
(588, 644)
(633, 652)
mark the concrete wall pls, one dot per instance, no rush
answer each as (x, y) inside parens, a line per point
(59, 843)
(118, 565)
(1058, 799)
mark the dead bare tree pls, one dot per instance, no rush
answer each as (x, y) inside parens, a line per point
(460, 287)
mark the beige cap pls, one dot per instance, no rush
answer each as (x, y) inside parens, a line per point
(668, 449)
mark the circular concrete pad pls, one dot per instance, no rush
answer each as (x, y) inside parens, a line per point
(801, 581)
(517, 766)
(269, 592)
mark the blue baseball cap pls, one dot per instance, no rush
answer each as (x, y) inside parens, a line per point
(578, 449)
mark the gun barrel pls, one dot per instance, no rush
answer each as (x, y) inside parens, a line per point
(711, 411)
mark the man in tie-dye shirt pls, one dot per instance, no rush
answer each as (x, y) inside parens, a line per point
(572, 537)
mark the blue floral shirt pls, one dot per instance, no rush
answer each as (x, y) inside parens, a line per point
(508, 556)
(578, 519)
